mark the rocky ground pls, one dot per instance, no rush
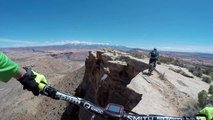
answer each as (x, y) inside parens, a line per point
(165, 92)
(171, 95)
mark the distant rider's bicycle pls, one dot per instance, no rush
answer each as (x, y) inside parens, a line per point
(151, 68)
(111, 111)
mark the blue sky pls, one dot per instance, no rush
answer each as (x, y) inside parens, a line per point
(176, 25)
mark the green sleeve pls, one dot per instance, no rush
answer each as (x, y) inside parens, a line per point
(208, 111)
(8, 68)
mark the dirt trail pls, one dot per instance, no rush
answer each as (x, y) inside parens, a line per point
(168, 96)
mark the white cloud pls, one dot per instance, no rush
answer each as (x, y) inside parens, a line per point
(204, 49)
(21, 43)
(15, 43)
(3, 40)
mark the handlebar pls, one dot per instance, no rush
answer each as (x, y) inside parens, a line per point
(55, 94)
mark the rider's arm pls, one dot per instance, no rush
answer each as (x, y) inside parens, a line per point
(207, 112)
(9, 69)
(31, 80)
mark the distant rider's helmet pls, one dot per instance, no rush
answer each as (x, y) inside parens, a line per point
(155, 49)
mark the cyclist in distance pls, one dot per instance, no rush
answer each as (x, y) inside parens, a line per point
(154, 54)
(28, 78)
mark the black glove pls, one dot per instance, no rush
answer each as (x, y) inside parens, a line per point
(28, 81)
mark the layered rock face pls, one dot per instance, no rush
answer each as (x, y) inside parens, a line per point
(107, 74)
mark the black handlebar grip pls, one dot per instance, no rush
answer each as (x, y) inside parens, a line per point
(50, 92)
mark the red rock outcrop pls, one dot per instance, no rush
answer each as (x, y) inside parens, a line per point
(107, 73)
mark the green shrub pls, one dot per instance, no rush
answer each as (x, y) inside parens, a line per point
(197, 73)
(211, 89)
(202, 98)
(208, 72)
(211, 74)
(137, 55)
(191, 69)
(166, 60)
(207, 79)
(190, 108)
(124, 58)
(177, 62)
(169, 60)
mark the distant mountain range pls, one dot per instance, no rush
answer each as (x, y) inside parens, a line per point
(101, 46)
(95, 46)
(74, 46)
